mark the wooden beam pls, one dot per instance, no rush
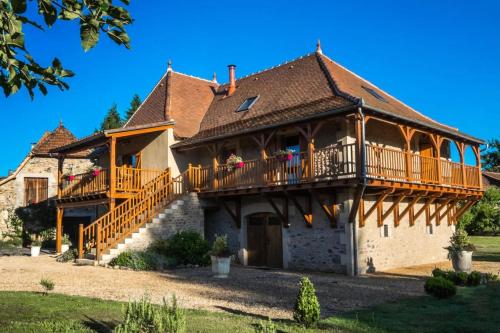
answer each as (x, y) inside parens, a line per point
(59, 231)
(283, 213)
(410, 207)
(236, 215)
(306, 211)
(330, 210)
(112, 166)
(139, 131)
(437, 210)
(462, 210)
(361, 213)
(393, 206)
(424, 207)
(380, 199)
(451, 204)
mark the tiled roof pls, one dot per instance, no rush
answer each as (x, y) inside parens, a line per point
(177, 96)
(61, 136)
(492, 175)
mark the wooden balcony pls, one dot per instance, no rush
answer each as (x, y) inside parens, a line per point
(89, 185)
(337, 165)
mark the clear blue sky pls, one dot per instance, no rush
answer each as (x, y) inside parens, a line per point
(440, 57)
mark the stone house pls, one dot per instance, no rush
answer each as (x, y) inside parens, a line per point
(304, 165)
(35, 180)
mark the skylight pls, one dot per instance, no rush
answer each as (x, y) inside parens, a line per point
(248, 103)
(374, 94)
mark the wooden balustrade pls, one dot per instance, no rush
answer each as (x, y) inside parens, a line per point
(133, 213)
(337, 162)
(86, 183)
(127, 180)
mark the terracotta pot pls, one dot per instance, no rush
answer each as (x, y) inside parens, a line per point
(462, 261)
(35, 251)
(221, 266)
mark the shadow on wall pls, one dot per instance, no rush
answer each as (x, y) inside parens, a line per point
(38, 219)
(371, 266)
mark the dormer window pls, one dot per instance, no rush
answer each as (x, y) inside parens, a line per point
(248, 103)
(374, 94)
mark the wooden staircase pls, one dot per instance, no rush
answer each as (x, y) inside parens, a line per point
(102, 238)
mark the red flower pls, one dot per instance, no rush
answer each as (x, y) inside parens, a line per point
(71, 178)
(96, 172)
(240, 165)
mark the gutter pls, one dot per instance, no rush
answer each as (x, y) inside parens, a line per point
(359, 191)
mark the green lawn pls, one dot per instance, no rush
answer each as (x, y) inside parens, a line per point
(487, 248)
(472, 310)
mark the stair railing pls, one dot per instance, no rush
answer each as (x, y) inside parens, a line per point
(129, 216)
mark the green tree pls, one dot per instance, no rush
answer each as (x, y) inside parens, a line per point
(491, 157)
(306, 310)
(484, 216)
(17, 66)
(112, 119)
(134, 105)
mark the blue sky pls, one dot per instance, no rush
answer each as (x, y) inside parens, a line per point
(440, 57)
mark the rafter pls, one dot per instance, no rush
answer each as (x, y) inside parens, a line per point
(305, 211)
(380, 199)
(394, 205)
(236, 215)
(283, 213)
(410, 207)
(330, 210)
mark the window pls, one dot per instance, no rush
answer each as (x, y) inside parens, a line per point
(247, 104)
(374, 94)
(430, 229)
(386, 230)
(35, 190)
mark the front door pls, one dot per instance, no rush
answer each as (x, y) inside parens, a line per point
(264, 242)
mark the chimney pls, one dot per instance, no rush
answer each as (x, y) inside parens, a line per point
(232, 79)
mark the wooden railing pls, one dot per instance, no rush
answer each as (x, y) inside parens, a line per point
(85, 184)
(127, 180)
(337, 162)
(129, 216)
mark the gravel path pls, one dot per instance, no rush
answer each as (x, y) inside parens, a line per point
(247, 291)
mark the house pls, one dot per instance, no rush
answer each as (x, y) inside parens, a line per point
(491, 178)
(35, 180)
(304, 165)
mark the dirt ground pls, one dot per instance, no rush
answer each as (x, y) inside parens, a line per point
(246, 291)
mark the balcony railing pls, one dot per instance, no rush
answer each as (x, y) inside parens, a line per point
(127, 180)
(334, 163)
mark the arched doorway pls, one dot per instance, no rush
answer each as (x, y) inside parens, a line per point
(264, 240)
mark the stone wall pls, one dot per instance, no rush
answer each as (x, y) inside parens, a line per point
(182, 215)
(405, 245)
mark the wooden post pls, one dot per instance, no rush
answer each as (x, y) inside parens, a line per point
(407, 133)
(60, 165)
(98, 242)
(461, 150)
(477, 153)
(215, 165)
(80, 241)
(112, 167)
(59, 217)
(310, 158)
(358, 147)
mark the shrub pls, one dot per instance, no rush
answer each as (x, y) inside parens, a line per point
(69, 255)
(460, 278)
(188, 247)
(307, 310)
(489, 277)
(47, 285)
(159, 246)
(143, 316)
(66, 326)
(459, 242)
(440, 287)
(474, 278)
(136, 260)
(36, 240)
(220, 247)
(65, 240)
(438, 272)
(266, 327)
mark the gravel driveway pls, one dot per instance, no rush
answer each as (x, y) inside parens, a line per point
(247, 291)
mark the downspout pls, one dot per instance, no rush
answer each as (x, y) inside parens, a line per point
(360, 188)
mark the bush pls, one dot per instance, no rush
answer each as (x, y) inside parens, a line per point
(474, 278)
(69, 255)
(489, 277)
(66, 326)
(440, 287)
(460, 278)
(459, 242)
(220, 247)
(266, 327)
(438, 272)
(188, 247)
(143, 316)
(136, 260)
(307, 310)
(47, 285)
(484, 216)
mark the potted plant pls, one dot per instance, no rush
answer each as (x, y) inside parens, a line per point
(284, 155)
(36, 245)
(460, 251)
(234, 162)
(96, 172)
(70, 177)
(221, 257)
(66, 243)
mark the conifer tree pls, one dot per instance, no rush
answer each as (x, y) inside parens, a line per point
(134, 105)
(112, 119)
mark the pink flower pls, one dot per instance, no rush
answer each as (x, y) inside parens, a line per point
(289, 157)
(96, 172)
(71, 178)
(240, 165)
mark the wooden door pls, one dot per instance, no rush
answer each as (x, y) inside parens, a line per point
(264, 241)
(427, 161)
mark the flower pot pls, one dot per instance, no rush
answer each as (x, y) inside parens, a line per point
(221, 266)
(239, 165)
(35, 251)
(462, 261)
(96, 173)
(64, 248)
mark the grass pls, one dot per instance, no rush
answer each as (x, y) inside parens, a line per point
(487, 248)
(472, 310)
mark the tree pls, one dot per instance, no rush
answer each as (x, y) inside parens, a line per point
(484, 216)
(112, 119)
(491, 157)
(19, 69)
(306, 310)
(134, 105)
